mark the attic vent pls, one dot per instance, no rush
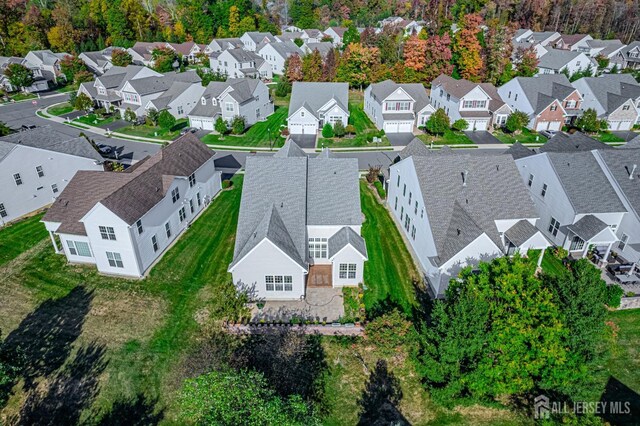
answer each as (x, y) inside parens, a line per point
(458, 231)
(464, 177)
(466, 200)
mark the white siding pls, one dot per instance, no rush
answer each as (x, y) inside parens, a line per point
(347, 255)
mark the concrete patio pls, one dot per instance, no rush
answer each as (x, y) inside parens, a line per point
(321, 304)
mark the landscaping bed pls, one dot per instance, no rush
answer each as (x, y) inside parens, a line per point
(259, 135)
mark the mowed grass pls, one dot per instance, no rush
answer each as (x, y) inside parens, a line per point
(448, 138)
(144, 325)
(60, 109)
(94, 120)
(608, 137)
(19, 237)
(527, 136)
(259, 135)
(389, 274)
(155, 132)
(624, 362)
(363, 125)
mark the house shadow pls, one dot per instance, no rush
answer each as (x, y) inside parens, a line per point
(139, 411)
(227, 162)
(380, 399)
(621, 403)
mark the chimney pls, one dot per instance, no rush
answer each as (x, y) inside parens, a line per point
(635, 166)
(464, 177)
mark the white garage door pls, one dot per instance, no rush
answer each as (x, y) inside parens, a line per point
(302, 129)
(200, 123)
(620, 125)
(555, 125)
(479, 125)
(398, 126)
(542, 125)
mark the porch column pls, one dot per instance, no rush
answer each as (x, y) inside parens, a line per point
(605, 260)
(53, 241)
(585, 248)
(540, 257)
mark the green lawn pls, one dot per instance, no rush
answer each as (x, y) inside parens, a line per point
(68, 88)
(257, 135)
(363, 125)
(155, 132)
(19, 237)
(94, 120)
(145, 326)
(389, 274)
(449, 138)
(60, 109)
(349, 142)
(359, 119)
(527, 136)
(608, 137)
(22, 96)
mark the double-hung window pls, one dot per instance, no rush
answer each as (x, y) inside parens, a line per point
(199, 199)
(530, 182)
(17, 179)
(40, 171)
(3, 210)
(544, 190)
(107, 233)
(115, 260)
(623, 241)
(182, 213)
(318, 248)
(139, 226)
(167, 228)
(347, 271)
(191, 206)
(54, 188)
(554, 225)
(175, 194)
(154, 243)
(415, 210)
(192, 180)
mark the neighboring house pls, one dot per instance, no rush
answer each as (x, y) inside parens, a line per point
(525, 45)
(479, 104)
(36, 165)
(275, 54)
(595, 48)
(456, 210)
(98, 62)
(188, 51)
(239, 63)
(336, 34)
(397, 108)
(408, 26)
(106, 90)
(628, 56)
(45, 64)
(142, 52)
(614, 97)
(550, 100)
(312, 105)
(577, 204)
(312, 36)
(122, 222)
(39, 82)
(572, 41)
(251, 40)
(323, 48)
(289, 36)
(291, 29)
(556, 61)
(247, 97)
(299, 225)
(544, 38)
(220, 44)
(180, 98)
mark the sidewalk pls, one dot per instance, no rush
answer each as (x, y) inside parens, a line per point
(325, 330)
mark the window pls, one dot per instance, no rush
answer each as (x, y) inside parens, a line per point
(544, 190)
(571, 104)
(288, 283)
(182, 213)
(268, 280)
(39, 171)
(530, 180)
(509, 94)
(191, 206)
(415, 210)
(398, 182)
(413, 232)
(401, 213)
(441, 92)
(228, 106)
(72, 248)
(625, 108)
(404, 190)
(623, 241)
(203, 101)
(474, 104)
(576, 244)
(79, 248)
(398, 106)
(17, 178)
(410, 194)
(175, 194)
(192, 180)
(107, 233)
(167, 228)
(421, 213)
(154, 243)
(199, 199)
(115, 260)
(139, 226)
(3, 210)
(395, 204)
(347, 271)
(407, 221)
(318, 248)
(301, 113)
(553, 107)
(577, 63)
(515, 98)
(54, 188)
(553, 227)
(257, 112)
(180, 110)
(279, 281)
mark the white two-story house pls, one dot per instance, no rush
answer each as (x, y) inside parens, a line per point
(555, 61)
(314, 104)
(240, 63)
(122, 222)
(35, 167)
(397, 108)
(299, 225)
(252, 39)
(276, 54)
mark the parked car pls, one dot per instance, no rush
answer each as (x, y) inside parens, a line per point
(188, 130)
(548, 133)
(27, 127)
(105, 150)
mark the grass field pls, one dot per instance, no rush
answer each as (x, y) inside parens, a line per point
(363, 125)
(94, 120)
(19, 237)
(60, 109)
(449, 138)
(258, 135)
(527, 136)
(123, 339)
(21, 96)
(155, 132)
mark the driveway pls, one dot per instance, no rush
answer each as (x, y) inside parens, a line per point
(482, 138)
(114, 125)
(627, 135)
(73, 115)
(304, 141)
(400, 139)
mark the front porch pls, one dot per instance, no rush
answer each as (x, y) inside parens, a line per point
(590, 237)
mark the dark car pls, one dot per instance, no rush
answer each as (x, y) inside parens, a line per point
(548, 133)
(188, 130)
(27, 127)
(105, 150)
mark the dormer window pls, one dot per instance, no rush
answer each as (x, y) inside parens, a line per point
(214, 101)
(203, 101)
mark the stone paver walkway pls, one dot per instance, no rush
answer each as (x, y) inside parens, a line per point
(320, 304)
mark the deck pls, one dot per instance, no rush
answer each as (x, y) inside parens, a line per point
(319, 276)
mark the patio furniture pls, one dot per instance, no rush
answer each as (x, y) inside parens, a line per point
(627, 278)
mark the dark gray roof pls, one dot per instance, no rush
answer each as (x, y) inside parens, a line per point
(415, 148)
(633, 143)
(517, 151)
(326, 153)
(543, 89)
(314, 95)
(323, 47)
(460, 211)
(242, 55)
(576, 142)
(556, 59)
(154, 84)
(258, 37)
(284, 48)
(51, 140)
(609, 46)
(584, 182)
(398, 116)
(382, 90)
(628, 48)
(587, 227)
(612, 90)
(620, 163)
(342, 238)
(520, 233)
(290, 149)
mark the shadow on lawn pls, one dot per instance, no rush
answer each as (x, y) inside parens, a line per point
(618, 396)
(380, 399)
(140, 411)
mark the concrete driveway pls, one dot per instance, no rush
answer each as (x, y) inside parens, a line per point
(400, 139)
(304, 141)
(627, 135)
(482, 138)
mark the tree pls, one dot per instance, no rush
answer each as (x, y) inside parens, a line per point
(603, 61)
(460, 125)
(467, 48)
(283, 88)
(526, 61)
(588, 121)
(221, 127)
(234, 21)
(497, 52)
(302, 13)
(208, 75)
(312, 66)
(351, 35)
(357, 64)
(152, 116)
(19, 76)
(438, 123)
(11, 364)
(327, 131)
(244, 398)
(338, 129)
(129, 115)
(516, 121)
(82, 77)
(70, 66)
(83, 102)
(350, 129)
(165, 120)
(330, 65)
(163, 59)
(415, 53)
(237, 125)
(437, 57)
(4, 129)
(293, 68)
(121, 58)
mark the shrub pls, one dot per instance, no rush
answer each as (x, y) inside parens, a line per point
(516, 121)
(152, 116)
(82, 102)
(460, 125)
(327, 131)
(613, 296)
(390, 332)
(381, 192)
(165, 120)
(129, 115)
(588, 121)
(438, 123)
(221, 126)
(381, 133)
(283, 88)
(373, 173)
(237, 125)
(338, 129)
(350, 129)
(226, 184)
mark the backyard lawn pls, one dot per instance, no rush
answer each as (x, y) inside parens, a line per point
(60, 109)
(155, 132)
(20, 237)
(527, 136)
(448, 138)
(257, 135)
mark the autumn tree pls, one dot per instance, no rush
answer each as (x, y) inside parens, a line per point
(19, 76)
(83, 102)
(312, 66)
(163, 59)
(234, 21)
(415, 53)
(351, 35)
(121, 58)
(329, 67)
(357, 64)
(467, 48)
(70, 66)
(437, 57)
(497, 53)
(293, 68)
(526, 62)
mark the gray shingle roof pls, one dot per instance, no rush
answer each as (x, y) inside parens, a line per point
(154, 84)
(520, 233)
(587, 227)
(242, 55)
(415, 148)
(284, 48)
(517, 151)
(633, 143)
(316, 95)
(258, 37)
(584, 182)
(51, 140)
(576, 142)
(290, 149)
(323, 47)
(342, 238)
(612, 90)
(620, 163)
(542, 89)
(608, 46)
(628, 48)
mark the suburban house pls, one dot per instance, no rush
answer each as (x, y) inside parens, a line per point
(555, 61)
(45, 64)
(36, 165)
(220, 44)
(313, 104)
(322, 47)
(408, 26)
(614, 97)
(106, 90)
(544, 38)
(299, 225)
(98, 62)
(312, 36)
(247, 97)
(239, 63)
(550, 100)
(397, 108)
(479, 104)
(39, 82)
(141, 52)
(577, 204)
(182, 94)
(336, 34)
(456, 210)
(571, 41)
(275, 54)
(189, 51)
(251, 40)
(288, 36)
(628, 56)
(591, 47)
(122, 222)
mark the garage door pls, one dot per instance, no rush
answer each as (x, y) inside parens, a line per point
(398, 126)
(204, 124)
(302, 129)
(620, 125)
(480, 125)
(555, 125)
(542, 125)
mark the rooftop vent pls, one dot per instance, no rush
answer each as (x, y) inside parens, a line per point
(464, 177)
(635, 166)
(458, 231)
